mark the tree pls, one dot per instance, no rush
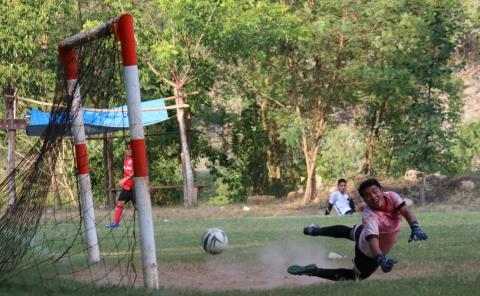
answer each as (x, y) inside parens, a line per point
(409, 84)
(175, 44)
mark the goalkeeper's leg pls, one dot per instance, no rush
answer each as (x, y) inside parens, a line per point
(338, 274)
(363, 268)
(337, 231)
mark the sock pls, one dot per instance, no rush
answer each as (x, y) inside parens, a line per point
(339, 274)
(337, 231)
(118, 213)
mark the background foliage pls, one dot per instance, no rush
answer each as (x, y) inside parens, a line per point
(279, 90)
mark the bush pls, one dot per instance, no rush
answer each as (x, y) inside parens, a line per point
(467, 148)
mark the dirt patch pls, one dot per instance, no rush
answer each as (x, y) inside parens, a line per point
(233, 276)
(265, 269)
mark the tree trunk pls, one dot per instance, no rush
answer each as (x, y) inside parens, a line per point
(390, 157)
(108, 169)
(56, 192)
(374, 133)
(310, 151)
(273, 168)
(54, 181)
(367, 166)
(189, 194)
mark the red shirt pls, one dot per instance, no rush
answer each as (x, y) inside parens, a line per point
(128, 172)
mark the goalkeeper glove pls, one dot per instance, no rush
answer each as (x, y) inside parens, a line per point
(312, 229)
(417, 232)
(385, 263)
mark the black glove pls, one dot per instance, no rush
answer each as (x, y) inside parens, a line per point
(312, 229)
(385, 263)
(417, 233)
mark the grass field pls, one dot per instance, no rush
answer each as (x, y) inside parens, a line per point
(262, 247)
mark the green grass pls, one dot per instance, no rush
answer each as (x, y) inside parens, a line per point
(446, 264)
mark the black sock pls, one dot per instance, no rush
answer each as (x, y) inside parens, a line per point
(337, 231)
(339, 274)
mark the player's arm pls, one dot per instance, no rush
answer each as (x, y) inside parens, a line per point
(331, 201)
(386, 264)
(328, 209)
(374, 244)
(124, 179)
(351, 204)
(417, 232)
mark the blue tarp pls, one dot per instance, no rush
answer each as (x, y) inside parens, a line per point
(100, 122)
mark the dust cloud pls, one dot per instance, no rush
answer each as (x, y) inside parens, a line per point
(267, 268)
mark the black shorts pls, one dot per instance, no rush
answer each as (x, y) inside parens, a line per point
(126, 196)
(364, 266)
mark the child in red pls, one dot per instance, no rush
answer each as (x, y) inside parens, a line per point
(374, 238)
(126, 182)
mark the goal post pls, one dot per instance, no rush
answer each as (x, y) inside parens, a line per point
(139, 152)
(123, 29)
(68, 61)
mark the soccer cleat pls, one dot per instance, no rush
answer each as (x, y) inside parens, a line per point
(112, 225)
(302, 270)
(312, 229)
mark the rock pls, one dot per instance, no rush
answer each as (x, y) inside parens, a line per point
(466, 186)
(333, 255)
(439, 176)
(291, 195)
(413, 175)
(332, 189)
(301, 190)
(408, 202)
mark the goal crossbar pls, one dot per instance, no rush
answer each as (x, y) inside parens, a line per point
(99, 31)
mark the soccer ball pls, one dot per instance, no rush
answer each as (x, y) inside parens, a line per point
(214, 241)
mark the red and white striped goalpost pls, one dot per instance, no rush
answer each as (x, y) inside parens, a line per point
(125, 33)
(69, 62)
(139, 152)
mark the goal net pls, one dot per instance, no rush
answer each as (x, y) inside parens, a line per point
(53, 232)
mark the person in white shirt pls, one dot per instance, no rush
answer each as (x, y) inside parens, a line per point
(343, 203)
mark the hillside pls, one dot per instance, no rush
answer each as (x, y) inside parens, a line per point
(471, 78)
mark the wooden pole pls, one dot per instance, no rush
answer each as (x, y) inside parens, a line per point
(54, 182)
(108, 169)
(189, 194)
(10, 106)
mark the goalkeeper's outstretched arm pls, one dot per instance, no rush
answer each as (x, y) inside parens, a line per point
(417, 232)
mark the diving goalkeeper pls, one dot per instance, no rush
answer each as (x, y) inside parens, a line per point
(374, 238)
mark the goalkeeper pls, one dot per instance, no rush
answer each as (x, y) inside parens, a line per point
(374, 238)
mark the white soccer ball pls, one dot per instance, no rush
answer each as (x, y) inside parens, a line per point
(214, 241)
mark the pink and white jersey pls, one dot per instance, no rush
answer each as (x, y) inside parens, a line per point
(384, 224)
